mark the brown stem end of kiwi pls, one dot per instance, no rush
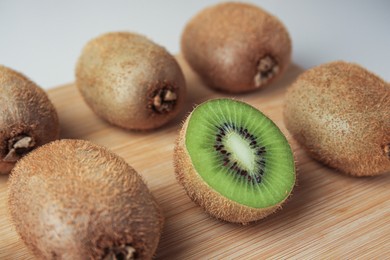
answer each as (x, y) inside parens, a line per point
(125, 252)
(18, 146)
(164, 100)
(267, 68)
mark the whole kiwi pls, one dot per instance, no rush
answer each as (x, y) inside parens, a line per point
(236, 47)
(71, 199)
(340, 113)
(27, 118)
(130, 81)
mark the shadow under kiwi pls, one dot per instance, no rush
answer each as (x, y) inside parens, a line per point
(198, 91)
(184, 224)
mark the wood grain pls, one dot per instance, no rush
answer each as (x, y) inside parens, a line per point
(330, 215)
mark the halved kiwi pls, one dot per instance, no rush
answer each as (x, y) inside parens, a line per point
(234, 161)
(72, 199)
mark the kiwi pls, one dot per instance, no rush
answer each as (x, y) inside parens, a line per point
(71, 199)
(340, 113)
(130, 81)
(236, 47)
(234, 161)
(27, 118)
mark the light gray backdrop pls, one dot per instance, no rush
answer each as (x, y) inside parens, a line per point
(43, 39)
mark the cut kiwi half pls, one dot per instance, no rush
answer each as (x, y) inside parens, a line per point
(234, 161)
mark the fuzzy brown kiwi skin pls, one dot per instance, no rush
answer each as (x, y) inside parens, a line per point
(230, 44)
(71, 199)
(130, 81)
(205, 196)
(27, 118)
(339, 112)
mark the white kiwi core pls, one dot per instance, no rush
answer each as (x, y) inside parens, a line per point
(241, 150)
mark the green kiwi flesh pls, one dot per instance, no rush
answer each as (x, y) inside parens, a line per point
(27, 118)
(234, 161)
(71, 199)
(236, 47)
(130, 81)
(340, 113)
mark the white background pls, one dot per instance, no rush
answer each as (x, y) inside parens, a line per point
(43, 39)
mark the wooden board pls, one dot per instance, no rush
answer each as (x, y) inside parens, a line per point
(330, 215)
